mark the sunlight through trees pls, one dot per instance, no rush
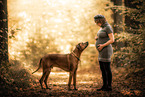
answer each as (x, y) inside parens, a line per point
(38, 27)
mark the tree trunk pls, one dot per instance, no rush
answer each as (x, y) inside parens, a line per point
(118, 18)
(118, 21)
(3, 32)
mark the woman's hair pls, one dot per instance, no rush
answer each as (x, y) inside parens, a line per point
(100, 19)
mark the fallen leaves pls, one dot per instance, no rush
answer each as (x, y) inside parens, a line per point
(23, 83)
(137, 92)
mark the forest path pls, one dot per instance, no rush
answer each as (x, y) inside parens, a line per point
(87, 83)
(25, 84)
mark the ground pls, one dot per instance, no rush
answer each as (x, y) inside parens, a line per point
(87, 83)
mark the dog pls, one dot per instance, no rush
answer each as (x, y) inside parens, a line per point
(67, 62)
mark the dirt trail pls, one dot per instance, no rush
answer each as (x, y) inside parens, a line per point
(87, 83)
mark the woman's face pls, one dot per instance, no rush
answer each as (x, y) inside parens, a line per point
(98, 23)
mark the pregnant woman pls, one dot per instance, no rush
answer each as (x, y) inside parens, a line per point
(104, 39)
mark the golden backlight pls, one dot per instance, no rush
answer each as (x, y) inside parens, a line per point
(38, 27)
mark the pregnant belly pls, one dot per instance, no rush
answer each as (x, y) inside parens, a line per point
(107, 47)
(97, 43)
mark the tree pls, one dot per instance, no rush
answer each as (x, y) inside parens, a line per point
(135, 24)
(131, 19)
(3, 32)
(133, 52)
(118, 20)
(118, 17)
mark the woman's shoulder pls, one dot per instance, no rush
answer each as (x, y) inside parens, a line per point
(108, 26)
(109, 29)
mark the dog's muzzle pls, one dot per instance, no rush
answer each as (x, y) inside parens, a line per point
(87, 44)
(80, 48)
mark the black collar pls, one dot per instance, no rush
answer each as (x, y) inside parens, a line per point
(76, 56)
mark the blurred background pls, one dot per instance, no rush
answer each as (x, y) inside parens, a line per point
(40, 27)
(30, 29)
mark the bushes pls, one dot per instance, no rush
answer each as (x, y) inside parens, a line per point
(133, 49)
(130, 44)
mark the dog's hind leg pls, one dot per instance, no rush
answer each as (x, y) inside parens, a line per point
(47, 75)
(42, 78)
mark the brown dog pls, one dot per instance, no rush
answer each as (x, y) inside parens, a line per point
(67, 62)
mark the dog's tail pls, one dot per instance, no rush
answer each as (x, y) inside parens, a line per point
(39, 66)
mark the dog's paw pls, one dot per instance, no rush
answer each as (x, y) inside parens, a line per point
(48, 88)
(69, 89)
(43, 88)
(75, 89)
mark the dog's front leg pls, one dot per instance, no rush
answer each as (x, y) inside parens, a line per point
(70, 79)
(74, 80)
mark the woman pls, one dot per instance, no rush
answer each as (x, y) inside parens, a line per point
(104, 39)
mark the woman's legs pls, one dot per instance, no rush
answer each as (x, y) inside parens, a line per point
(109, 74)
(106, 75)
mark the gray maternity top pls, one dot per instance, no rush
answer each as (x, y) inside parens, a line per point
(106, 52)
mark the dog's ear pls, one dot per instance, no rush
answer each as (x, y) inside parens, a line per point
(78, 46)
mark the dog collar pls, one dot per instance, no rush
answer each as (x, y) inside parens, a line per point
(76, 56)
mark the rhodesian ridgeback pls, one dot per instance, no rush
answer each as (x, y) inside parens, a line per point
(68, 62)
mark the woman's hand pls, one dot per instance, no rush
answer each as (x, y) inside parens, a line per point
(96, 38)
(100, 47)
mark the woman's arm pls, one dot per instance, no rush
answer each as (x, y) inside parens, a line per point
(101, 46)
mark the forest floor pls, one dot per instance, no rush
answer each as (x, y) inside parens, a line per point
(22, 84)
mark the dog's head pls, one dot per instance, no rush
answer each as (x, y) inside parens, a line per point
(82, 46)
